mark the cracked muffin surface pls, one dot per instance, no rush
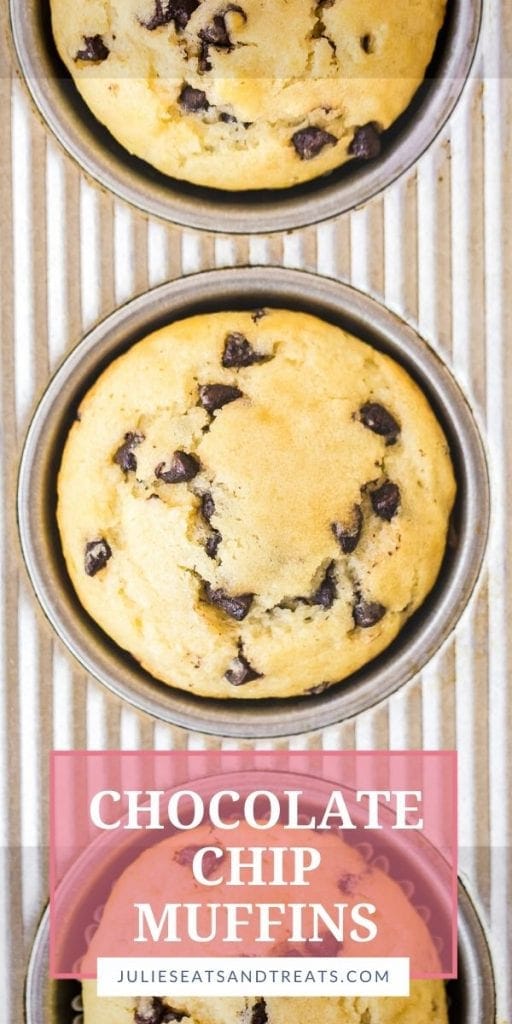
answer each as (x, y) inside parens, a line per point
(247, 95)
(253, 504)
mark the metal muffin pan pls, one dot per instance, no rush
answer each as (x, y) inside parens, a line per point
(250, 288)
(471, 997)
(250, 211)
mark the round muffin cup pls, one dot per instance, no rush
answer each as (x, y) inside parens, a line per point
(258, 210)
(471, 996)
(250, 288)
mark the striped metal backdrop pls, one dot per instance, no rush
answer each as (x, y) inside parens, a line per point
(437, 249)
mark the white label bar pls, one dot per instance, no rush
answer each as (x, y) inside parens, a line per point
(242, 976)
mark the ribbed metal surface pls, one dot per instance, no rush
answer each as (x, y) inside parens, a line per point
(437, 248)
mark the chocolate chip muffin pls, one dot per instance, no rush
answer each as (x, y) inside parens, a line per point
(164, 872)
(425, 1005)
(247, 95)
(253, 505)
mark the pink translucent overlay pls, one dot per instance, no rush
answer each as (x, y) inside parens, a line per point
(253, 853)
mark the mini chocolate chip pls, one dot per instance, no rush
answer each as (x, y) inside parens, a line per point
(94, 50)
(182, 11)
(385, 500)
(207, 506)
(241, 672)
(367, 43)
(125, 456)
(193, 100)
(326, 593)
(348, 883)
(203, 62)
(154, 1011)
(96, 555)
(210, 861)
(367, 613)
(328, 946)
(183, 467)
(216, 34)
(237, 607)
(258, 315)
(238, 351)
(178, 11)
(207, 511)
(348, 535)
(309, 142)
(259, 1012)
(212, 543)
(214, 396)
(366, 143)
(378, 419)
(170, 1014)
(228, 118)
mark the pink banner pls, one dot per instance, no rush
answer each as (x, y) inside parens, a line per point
(224, 854)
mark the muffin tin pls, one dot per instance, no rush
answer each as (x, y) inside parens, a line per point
(251, 288)
(471, 712)
(254, 211)
(472, 999)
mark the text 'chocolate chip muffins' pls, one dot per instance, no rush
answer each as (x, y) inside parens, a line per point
(252, 95)
(253, 505)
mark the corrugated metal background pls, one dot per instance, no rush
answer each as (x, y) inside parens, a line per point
(437, 248)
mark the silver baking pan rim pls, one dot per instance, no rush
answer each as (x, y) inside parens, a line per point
(231, 289)
(92, 146)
